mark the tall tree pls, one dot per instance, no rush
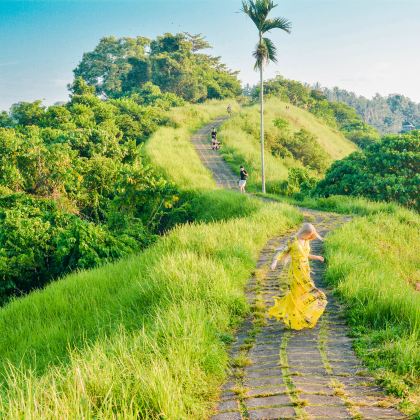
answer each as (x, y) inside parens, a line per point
(258, 11)
(119, 67)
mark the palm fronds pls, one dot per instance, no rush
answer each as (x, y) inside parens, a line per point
(258, 11)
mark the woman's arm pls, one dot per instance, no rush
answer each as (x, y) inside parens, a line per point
(280, 255)
(316, 257)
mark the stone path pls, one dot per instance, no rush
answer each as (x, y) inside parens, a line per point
(211, 158)
(278, 373)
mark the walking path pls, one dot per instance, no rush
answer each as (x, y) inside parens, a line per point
(278, 373)
(212, 159)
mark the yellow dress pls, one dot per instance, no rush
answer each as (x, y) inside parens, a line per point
(303, 304)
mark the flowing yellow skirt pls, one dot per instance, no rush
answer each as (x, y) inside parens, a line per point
(303, 304)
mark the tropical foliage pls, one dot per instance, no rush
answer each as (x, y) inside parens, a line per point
(388, 170)
(75, 190)
(388, 114)
(175, 63)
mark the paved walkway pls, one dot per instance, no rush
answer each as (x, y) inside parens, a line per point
(211, 158)
(278, 373)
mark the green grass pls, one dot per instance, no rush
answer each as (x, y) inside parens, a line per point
(240, 138)
(144, 337)
(141, 337)
(171, 150)
(374, 265)
(341, 204)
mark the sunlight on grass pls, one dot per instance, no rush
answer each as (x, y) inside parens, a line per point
(241, 143)
(373, 263)
(171, 150)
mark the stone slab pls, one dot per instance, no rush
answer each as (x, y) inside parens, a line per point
(274, 400)
(251, 382)
(230, 405)
(330, 412)
(380, 413)
(272, 413)
(266, 391)
(228, 416)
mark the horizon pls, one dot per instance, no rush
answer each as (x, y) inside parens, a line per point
(355, 47)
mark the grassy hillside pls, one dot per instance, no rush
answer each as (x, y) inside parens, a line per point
(240, 137)
(146, 336)
(171, 150)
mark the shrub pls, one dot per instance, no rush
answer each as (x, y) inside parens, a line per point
(388, 170)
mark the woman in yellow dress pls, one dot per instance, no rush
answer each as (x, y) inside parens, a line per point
(302, 306)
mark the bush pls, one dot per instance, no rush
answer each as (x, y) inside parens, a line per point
(302, 146)
(388, 170)
(39, 242)
(299, 182)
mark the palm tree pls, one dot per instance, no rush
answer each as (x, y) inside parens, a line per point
(265, 50)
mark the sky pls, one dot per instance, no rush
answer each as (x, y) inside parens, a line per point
(366, 46)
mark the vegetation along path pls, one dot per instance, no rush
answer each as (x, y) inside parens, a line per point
(278, 373)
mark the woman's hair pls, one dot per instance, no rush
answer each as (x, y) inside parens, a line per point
(306, 229)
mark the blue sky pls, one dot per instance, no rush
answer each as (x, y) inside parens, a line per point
(367, 46)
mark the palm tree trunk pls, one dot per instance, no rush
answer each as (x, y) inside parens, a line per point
(262, 128)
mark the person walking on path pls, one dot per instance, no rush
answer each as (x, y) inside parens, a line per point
(242, 181)
(213, 133)
(215, 145)
(303, 304)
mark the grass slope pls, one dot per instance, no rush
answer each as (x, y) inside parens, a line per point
(144, 337)
(240, 137)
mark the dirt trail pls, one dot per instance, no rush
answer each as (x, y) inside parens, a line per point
(278, 373)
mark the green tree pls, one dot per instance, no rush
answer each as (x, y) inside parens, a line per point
(5, 120)
(174, 63)
(112, 63)
(258, 11)
(27, 113)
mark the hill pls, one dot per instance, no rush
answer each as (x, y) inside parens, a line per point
(388, 114)
(294, 138)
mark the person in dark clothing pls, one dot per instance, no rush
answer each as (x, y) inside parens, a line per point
(242, 181)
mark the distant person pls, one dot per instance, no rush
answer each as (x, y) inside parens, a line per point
(242, 181)
(215, 144)
(229, 110)
(213, 133)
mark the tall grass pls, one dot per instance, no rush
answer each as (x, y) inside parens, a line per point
(171, 150)
(341, 204)
(240, 138)
(144, 337)
(374, 264)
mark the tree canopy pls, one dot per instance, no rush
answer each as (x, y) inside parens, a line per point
(175, 63)
(388, 114)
